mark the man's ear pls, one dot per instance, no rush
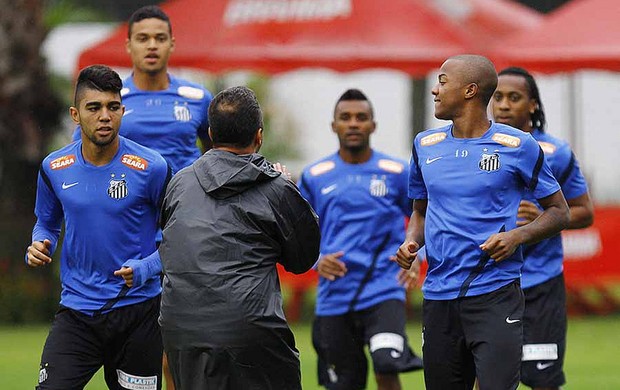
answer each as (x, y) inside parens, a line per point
(471, 90)
(258, 140)
(75, 115)
(533, 106)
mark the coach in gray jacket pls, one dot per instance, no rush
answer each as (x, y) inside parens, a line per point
(228, 219)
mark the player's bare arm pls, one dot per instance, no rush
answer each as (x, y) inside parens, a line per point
(408, 278)
(39, 253)
(331, 267)
(528, 212)
(581, 212)
(414, 238)
(550, 222)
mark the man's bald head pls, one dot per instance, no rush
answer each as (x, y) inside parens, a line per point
(480, 71)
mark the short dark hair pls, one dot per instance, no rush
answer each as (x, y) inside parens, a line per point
(538, 117)
(354, 94)
(481, 71)
(235, 117)
(98, 77)
(148, 12)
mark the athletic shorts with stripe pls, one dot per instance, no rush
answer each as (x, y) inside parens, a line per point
(125, 341)
(544, 334)
(474, 336)
(340, 340)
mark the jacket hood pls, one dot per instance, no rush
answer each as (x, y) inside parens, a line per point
(223, 174)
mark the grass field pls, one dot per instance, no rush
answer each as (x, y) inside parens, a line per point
(591, 362)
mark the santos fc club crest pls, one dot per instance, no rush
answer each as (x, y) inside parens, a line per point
(118, 187)
(378, 188)
(489, 162)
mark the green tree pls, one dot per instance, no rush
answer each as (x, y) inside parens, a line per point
(29, 116)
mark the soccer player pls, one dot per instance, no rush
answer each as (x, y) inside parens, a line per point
(163, 112)
(517, 103)
(228, 219)
(467, 180)
(360, 195)
(107, 190)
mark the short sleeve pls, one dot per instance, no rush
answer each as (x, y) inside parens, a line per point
(534, 169)
(417, 187)
(304, 188)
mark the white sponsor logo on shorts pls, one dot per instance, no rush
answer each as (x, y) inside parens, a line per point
(42, 375)
(135, 382)
(511, 321)
(333, 377)
(541, 366)
(539, 352)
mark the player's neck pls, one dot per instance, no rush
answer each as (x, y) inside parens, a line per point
(151, 81)
(99, 155)
(528, 128)
(470, 125)
(355, 156)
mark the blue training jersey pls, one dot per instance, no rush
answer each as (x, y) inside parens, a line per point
(473, 187)
(543, 260)
(361, 209)
(111, 215)
(167, 121)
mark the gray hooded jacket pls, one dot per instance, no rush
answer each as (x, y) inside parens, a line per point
(227, 220)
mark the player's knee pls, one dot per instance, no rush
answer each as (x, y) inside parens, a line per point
(387, 351)
(386, 361)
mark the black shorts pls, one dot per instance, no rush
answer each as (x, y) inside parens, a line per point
(480, 336)
(544, 334)
(339, 342)
(125, 341)
(270, 363)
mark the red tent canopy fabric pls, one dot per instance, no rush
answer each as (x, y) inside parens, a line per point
(583, 34)
(486, 22)
(276, 35)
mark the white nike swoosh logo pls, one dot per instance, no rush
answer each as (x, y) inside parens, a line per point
(127, 112)
(329, 189)
(542, 366)
(65, 185)
(509, 321)
(432, 160)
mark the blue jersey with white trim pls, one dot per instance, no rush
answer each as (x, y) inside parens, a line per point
(166, 121)
(361, 209)
(111, 215)
(473, 187)
(543, 260)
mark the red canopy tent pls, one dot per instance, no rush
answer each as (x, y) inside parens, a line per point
(275, 36)
(583, 34)
(486, 22)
